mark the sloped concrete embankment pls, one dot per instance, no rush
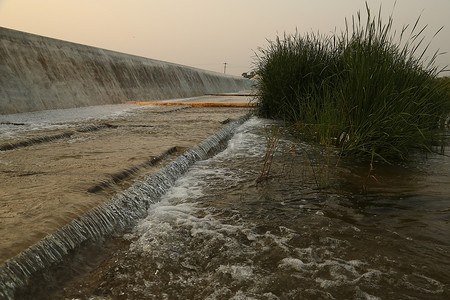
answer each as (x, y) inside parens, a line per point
(40, 73)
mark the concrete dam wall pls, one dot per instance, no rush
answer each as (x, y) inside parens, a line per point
(40, 73)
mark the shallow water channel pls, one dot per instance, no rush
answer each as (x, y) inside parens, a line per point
(313, 230)
(56, 165)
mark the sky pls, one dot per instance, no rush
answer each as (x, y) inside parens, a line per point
(208, 33)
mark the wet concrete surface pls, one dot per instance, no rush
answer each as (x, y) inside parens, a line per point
(40, 73)
(56, 165)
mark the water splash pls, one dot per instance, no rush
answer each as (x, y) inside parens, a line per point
(216, 235)
(119, 212)
(121, 176)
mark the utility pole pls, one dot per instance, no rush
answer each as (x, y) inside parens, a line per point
(225, 68)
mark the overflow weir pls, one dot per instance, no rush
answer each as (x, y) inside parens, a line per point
(118, 213)
(78, 161)
(40, 73)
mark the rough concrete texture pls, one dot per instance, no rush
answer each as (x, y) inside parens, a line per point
(39, 73)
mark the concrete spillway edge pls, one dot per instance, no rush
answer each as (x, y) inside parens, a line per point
(40, 73)
(123, 210)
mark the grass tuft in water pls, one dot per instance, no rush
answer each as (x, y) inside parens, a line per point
(364, 91)
(272, 140)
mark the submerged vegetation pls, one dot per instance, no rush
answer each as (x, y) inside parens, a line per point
(365, 91)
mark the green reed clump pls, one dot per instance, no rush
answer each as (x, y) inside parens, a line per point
(364, 91)
(445, 82)
(290, 68)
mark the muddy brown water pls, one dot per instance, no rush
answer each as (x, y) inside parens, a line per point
(49, 182)
(316, 229)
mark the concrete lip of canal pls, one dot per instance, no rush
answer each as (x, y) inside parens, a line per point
(57, 165)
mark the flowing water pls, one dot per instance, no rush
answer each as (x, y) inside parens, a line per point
(57, 165)
(312, 230)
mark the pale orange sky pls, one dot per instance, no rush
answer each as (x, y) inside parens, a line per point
(207, 33)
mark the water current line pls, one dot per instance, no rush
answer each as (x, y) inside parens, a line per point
(122, 210)
(51, 138)
(121, 176)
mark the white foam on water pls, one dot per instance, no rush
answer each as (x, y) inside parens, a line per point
(294, 263)
(178, 229)
(365, 296)
(184, 233)
(219, 249)
(237, 272)
(422, 283)
(245, 143)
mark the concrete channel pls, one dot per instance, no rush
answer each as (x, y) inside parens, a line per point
(80, 157)
(40, 73)
(68, 182)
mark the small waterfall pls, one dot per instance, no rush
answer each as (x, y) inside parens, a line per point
(51, 138)
(35, 141)
(113, 216)
(119, 177)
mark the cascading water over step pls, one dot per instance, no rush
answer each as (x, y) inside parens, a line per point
(119, 212)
